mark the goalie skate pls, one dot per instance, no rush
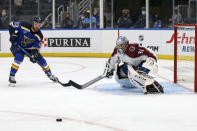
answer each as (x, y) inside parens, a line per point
(154, 88)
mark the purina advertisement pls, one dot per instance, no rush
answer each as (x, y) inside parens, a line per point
(66, 42)
(71, 41)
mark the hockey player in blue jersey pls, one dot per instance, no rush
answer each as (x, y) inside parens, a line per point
(28, 37)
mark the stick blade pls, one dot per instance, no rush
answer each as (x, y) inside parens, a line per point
(72, 83)
(64, 84)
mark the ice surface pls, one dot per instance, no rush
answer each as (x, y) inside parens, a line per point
(35, 103)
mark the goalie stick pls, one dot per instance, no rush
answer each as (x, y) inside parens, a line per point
(76, 85)
(105, 74)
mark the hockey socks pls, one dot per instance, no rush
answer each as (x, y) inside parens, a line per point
(14, 67)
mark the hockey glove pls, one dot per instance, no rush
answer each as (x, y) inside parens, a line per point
(13, 39)
(33, 60)
(34, 55)
(108, 72)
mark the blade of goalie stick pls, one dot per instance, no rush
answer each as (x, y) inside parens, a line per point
(74, 84)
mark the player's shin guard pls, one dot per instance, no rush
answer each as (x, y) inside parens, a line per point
(47, 71)
(42, 62)
(14, 68)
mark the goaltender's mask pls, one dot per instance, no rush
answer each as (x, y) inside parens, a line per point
(121, 44)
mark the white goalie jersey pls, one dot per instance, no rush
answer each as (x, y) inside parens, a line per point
(136, 59)
(137, 63)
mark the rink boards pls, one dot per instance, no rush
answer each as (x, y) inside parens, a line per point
(100, 43)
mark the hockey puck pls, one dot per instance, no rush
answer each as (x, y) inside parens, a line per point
(59, 120)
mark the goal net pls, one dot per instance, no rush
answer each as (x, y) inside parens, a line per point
(184, 55)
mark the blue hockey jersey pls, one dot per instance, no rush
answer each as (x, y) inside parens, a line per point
(25, 36)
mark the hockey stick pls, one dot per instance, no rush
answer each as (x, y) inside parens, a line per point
(105, 74)
(28, 55)
(74, 84)
(64, 84)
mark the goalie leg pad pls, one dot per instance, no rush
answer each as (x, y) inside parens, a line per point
(122, 71)
(124, 82)
(139, 79)
(121, 76)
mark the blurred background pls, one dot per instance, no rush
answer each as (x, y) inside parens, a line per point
(95, 14)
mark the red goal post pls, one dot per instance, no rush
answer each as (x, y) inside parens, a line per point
(181, 57)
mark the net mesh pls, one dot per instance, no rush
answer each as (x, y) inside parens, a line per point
(186, 56)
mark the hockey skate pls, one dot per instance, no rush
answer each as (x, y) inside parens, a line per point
(52, 77)
(154, 88)
(12, 81)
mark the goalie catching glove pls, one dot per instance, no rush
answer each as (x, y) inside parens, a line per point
(108, 72)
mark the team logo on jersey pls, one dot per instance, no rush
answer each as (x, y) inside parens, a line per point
(132, 48)
(66, 42)
(27, 40)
